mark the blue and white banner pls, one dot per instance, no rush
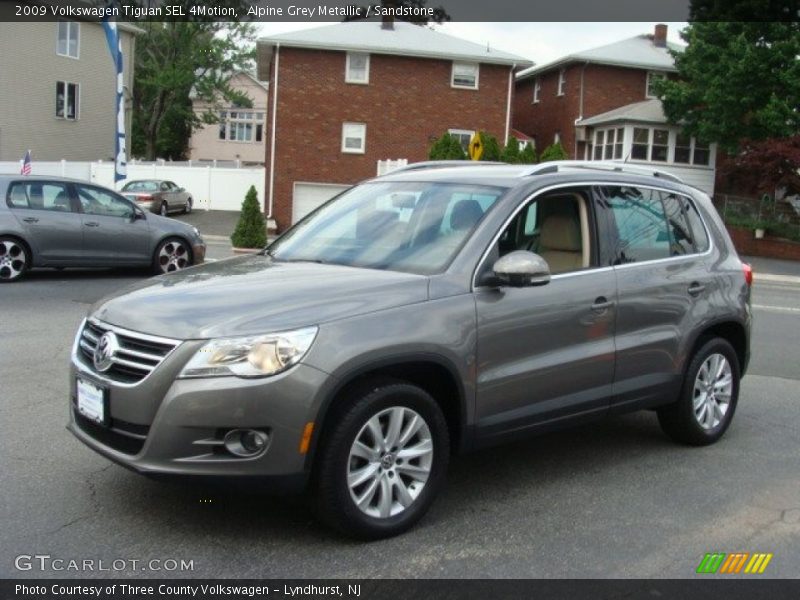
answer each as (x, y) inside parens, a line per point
(120, 154)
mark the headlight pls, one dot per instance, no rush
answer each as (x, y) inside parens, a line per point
(256, 356)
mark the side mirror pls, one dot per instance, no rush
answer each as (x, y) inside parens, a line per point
(522, 269)
(137, 215)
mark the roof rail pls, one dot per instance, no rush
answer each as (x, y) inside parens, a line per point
(557, 165)
(442, 164)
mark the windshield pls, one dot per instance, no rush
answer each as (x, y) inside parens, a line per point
(406, 226)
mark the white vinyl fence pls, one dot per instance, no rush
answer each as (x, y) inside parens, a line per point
(211, 187)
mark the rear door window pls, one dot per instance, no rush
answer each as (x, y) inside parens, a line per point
(639, 224)
(39, 195)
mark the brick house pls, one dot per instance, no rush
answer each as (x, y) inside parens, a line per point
(342, 97)
(600, 105)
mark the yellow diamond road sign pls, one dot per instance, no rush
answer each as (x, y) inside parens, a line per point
(475, 147)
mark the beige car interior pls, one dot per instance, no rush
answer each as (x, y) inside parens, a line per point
(564, 235)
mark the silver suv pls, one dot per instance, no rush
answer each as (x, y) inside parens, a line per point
(423, 313)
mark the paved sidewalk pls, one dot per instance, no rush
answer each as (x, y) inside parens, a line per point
(213, 224)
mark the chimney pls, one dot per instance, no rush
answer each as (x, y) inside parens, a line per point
(660, 36)
(387, 22)
(387, 18)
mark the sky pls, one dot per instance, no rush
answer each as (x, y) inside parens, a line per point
(539, 42)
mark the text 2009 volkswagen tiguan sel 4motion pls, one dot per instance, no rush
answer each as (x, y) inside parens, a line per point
(419, 314)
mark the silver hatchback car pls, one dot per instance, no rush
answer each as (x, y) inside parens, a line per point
(57, 222)
(422, 313)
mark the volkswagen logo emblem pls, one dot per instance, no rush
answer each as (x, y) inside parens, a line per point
(105, 351)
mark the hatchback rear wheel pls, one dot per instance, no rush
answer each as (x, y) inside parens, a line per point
(383, 462)
(708, 397)
(14, 259)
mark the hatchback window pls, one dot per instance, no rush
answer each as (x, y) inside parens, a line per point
(96, 201)
(400, 226)
(39, 196)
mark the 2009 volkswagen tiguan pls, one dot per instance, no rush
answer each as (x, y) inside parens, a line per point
(430, 311)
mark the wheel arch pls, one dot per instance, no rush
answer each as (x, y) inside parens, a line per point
(733, 331)
(22, 241)
(431, 372)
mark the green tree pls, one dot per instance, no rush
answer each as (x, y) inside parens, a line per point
(736, 80)
(553, 152)
(251, 230)
(447, 147)
(176, 59)
(491, 148)
(510, 153)
(528, 155)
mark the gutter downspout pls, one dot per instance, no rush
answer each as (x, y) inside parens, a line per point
(273, 133)
(508, 103)
(580, 112)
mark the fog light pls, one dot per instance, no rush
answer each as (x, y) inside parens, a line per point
(246, 442)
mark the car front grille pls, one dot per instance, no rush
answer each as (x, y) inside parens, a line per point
(137, 356)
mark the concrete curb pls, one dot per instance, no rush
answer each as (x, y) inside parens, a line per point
(776, 278)
(216, 238)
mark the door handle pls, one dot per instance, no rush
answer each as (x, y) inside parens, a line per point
(92, 224)
(695, 289)
(601, 304)
(31, 220)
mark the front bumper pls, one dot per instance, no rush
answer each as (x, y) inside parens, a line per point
(168, 427)
(199, 252)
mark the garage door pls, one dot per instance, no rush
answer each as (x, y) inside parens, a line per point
(308, 196)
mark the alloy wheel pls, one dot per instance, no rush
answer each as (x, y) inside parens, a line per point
(390, 462)
(173, 256)
(13, 259)
(713, 387)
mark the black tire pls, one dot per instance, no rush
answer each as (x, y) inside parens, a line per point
(15, 259)
(333, 501)
(164, 210)
(679, 420)
(188, 208)
(161, 267)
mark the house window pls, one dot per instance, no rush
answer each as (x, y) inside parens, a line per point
(357, 68)
(689, 151)
(67, 99)
(465, 75)
(660, 149)
(608, 143)
(652, 77)
(641, 143)
(68, 39)
(562, 81)
(557, 137)
(241, 126)
(537, 89)
(354, 138)
(464, 136)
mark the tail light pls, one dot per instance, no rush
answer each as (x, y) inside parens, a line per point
(144, 198)
(748, 274)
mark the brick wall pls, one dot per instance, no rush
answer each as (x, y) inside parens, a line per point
(604, 88)
(747, 245)
(408, 102)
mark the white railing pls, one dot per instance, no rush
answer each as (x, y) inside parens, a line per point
(389, 165)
